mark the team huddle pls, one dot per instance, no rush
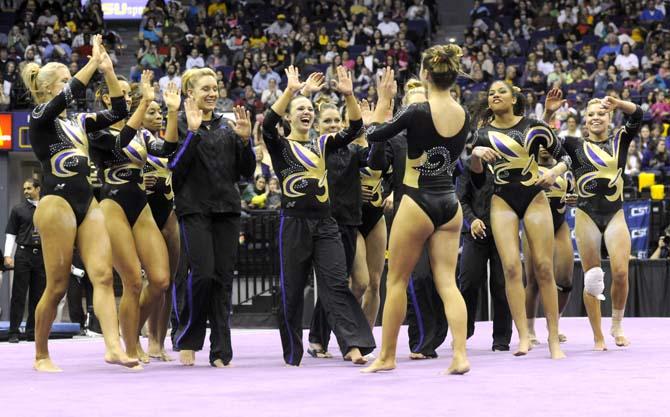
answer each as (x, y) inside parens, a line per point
(175, 192)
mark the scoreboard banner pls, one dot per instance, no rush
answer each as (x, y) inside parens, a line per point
(121, 9)
(6, 131)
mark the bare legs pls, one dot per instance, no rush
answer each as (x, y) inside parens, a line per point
(160, 316)
(537, 221)
(409, 232)
(617, 239)
(372, 254)
(144, 240)
(563, 268)
(58, 229)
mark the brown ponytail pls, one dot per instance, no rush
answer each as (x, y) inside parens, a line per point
(443, 63)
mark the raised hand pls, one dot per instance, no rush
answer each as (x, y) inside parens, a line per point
(193, 114)
(242, 124)
(96, 53)
(293, 79)
(386, 85)
(610, 103)
(554, 100)
(148, 93)
(345, 84)
(172, 97)
(314, 83)
(367, 111)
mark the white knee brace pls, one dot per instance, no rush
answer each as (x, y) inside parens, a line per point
(594, 282)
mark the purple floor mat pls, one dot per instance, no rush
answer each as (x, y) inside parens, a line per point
(629, 381)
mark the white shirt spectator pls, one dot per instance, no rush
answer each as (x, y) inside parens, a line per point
(418, 11)
(547, 67)
(192, 62)
(569, 16)
(78, 41)
(576, 134)
(262, 79)
(627, 63)
(388, 28)
(280, 27)
(165, 79)
(270, 96)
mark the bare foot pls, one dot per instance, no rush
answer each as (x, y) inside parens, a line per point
(218, 363)
(121, 358)
(562, 338)
(555, 350)
(141, 354)
(354, 355)
(619, 338)
(621, 341)
(459, 365)
(524, 347)
(533, 340)
(46, 365)
(154, 349)
(418, 356)
(600, 345)
(165, 357)
(380, 365)
(187, 357)
(315, 350)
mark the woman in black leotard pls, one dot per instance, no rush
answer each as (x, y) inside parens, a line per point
(68, 215)
(158, 184)
(558, 195)
(429, 210)
(136, 240)
(344, 194)
(511, 142)
(598, 162)
(308, 235)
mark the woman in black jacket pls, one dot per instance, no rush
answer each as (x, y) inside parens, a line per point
(308, 234)
(211, 158)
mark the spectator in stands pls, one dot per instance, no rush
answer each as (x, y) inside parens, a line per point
(571, 128)
(662, 250)
(194, 60)
(660, 109)
(254, 196)
(634, 161)
(148, 56)
(151, 32)
(30, 55)
(223, 103)
(271, 93)
(611, 48)
(17, 39)
(625, 60)
(236, 40)
(217, 58)
(174, 58)
(651, 13)
(5, 93)
(280, 27)
(261, 80)
(387, 27)
(171, 76)
(57, 50)
(656, 157)
(645, 137)
(273, 201)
